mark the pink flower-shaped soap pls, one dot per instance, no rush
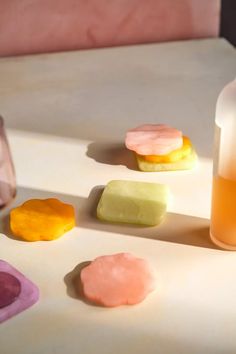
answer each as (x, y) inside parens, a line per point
(119, 279)
(153, 139)
(17, 293)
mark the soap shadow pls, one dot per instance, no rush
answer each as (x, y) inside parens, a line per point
(73, 283)
(5, 226)
(24, 194)
(176, 228)
(112, 154)
(74, 287)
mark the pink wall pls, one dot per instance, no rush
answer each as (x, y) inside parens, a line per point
(33, 26)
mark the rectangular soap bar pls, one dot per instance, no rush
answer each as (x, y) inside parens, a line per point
(133, 202)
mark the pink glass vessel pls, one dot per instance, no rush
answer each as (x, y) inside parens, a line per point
(7, 172)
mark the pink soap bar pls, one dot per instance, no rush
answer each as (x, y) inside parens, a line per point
(119, 279)
(17, 293)
(153, 139)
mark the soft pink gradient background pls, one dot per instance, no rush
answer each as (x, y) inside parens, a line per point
(33, 26)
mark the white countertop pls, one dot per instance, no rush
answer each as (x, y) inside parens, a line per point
(67, 115)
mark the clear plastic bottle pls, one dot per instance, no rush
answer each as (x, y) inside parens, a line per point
(223, 209)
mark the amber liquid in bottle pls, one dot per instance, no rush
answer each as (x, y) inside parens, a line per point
(223, 214)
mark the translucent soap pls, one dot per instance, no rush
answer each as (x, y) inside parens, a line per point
(117, 279)
(42, 219)
(133, 202)
(159, 147)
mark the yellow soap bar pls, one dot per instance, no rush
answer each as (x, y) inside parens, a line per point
(186, 163)
(173, 156)
(42, 219)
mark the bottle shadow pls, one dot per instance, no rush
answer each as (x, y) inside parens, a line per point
(112, 154)
(176, 228)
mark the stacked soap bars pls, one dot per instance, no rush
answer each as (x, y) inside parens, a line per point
(7, 174)
(159, 147)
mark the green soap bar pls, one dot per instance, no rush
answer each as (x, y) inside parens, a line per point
(133, 202)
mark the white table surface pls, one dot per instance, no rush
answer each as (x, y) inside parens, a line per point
(67, 115)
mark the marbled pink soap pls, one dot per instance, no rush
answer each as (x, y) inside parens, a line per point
(153, 139)
(7, 173)
(118, 279)
(17, 293)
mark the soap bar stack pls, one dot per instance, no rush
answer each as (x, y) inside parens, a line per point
(159, 147)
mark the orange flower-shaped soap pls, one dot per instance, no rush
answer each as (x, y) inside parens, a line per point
(42, 219)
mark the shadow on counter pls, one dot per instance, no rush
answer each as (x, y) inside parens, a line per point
(177, 228)
(112, 154)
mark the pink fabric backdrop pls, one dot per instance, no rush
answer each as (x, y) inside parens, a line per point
(33, 26)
